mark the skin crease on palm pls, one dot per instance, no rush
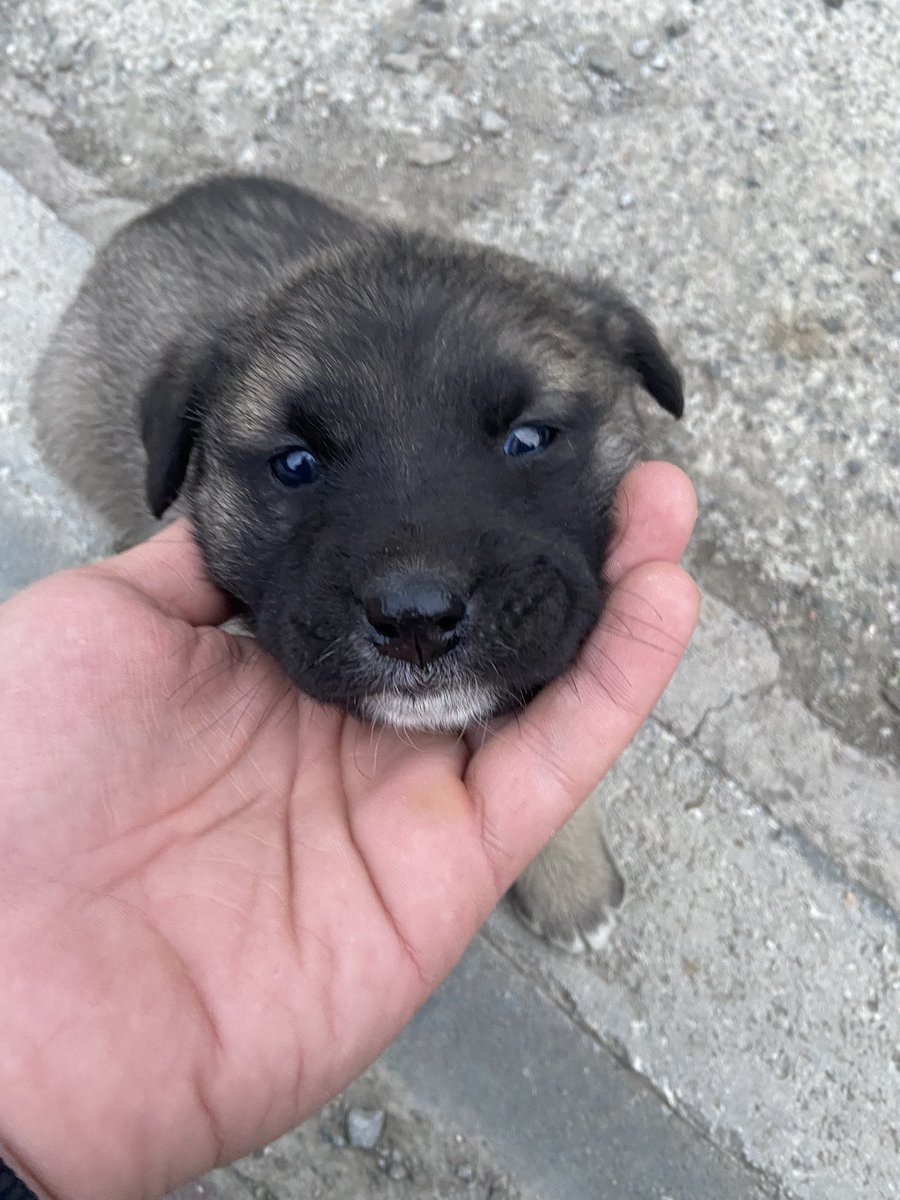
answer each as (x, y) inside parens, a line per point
(220, 900)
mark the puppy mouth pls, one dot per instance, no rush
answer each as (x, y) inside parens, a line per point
(445, 695)
(444, 709)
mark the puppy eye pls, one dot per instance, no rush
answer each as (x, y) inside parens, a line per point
(295, 467)
(528, 439)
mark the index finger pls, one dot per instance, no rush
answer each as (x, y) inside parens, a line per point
(168, 570)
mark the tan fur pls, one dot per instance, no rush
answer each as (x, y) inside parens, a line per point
(570, 891)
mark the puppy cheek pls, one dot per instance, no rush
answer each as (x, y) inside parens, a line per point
(536, 620)
(312, 629)
(231, 537)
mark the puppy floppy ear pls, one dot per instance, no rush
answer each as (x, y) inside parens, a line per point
(633, 341)
(170, 410)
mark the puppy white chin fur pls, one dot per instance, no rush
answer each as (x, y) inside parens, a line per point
(447, 711)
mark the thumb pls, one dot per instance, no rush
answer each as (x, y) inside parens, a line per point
(534, 771)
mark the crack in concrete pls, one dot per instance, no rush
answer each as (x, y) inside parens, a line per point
(759, 690)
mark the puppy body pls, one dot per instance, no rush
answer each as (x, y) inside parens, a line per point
(399, 454)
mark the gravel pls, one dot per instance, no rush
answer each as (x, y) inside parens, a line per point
(603, 66)
(493, 124)
(431, 154)
(364, 1127)
(407, 63)
(677, 27)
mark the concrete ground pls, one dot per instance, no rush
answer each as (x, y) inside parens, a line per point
(736, 167)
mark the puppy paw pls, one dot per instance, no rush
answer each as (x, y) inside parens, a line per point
(569, 894)
(574, 928)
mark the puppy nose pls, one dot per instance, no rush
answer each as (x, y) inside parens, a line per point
(415, 616)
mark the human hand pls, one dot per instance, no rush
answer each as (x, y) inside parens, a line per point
(221, 900)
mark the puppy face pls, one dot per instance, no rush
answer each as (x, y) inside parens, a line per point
(402, 469)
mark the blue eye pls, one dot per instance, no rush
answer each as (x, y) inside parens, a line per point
(527, 439)
(295, 467)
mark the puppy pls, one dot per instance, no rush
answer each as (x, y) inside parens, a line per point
(398, 452)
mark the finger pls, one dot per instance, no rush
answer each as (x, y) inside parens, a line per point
(169, 571)
(533, 772)
(655, 512)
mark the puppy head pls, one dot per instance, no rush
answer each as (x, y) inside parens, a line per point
(402, 468)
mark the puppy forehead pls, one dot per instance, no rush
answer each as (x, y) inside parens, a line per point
(370, 369)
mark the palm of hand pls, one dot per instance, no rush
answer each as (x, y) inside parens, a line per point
(211, 884)
(253, 884)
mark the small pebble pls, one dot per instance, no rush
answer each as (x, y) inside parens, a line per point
(873, 258)
(626, 199)
(364, 1127)
(431, 154)
(677, 27)
(397, 1171)
(795, 574)
(640, 48)
(895, 277)
(64, 60)
(601, 66)
(891, 693)
(402, 64)
(475, 34)
(659, 62)
(464, 1173)
(493, 124)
